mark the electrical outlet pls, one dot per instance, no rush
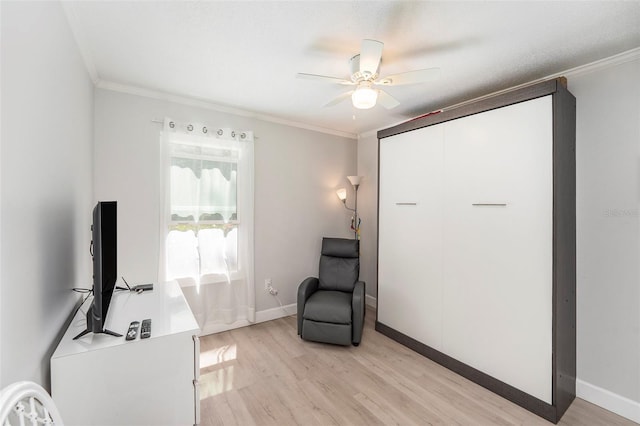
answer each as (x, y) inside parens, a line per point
(267, 284)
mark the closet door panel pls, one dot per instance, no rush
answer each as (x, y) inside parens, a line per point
(497, 290)
(410, 234)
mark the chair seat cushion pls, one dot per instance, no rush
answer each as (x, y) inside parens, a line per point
(329, 306)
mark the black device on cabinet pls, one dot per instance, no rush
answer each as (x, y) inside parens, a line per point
(104, 251)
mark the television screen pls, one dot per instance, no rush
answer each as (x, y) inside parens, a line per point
(104, 249)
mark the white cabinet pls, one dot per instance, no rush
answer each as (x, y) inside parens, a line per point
(472, 210)
(498, 244)
(104, 380)
(411, 209)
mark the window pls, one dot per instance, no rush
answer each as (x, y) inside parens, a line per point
(202, 240)
(204, 209)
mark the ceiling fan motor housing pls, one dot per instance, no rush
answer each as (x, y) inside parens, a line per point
(356, 75)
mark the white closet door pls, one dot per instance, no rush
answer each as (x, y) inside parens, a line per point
(410, 234)
(498, 258)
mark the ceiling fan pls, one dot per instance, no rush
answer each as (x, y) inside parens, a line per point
(364, 75)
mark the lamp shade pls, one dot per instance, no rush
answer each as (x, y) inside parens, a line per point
(342, 194)
(355, 180)
(364, 97)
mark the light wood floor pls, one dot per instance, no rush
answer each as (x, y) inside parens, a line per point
(266, 375)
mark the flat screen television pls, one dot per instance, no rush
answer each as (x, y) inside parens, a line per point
(104, 251)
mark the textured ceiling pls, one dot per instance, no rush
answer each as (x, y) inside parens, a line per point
(246, 55)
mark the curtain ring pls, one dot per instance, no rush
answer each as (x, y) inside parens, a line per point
(172, 124)
(204, 130)
(243, 135)
(190, 127)
(219, 132)
(233, 133)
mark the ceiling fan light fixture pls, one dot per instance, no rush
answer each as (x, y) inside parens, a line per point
(364, 97)
(365, 68)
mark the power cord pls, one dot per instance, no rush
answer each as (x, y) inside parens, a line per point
(125, 283)
(272, 291)
(87, 291)
(136, 289)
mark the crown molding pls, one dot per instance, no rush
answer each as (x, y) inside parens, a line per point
(611, 61)
(87, 57)
(200, 103)
(369, 133)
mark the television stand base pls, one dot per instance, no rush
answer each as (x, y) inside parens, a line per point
(112, 333)
(105, 331)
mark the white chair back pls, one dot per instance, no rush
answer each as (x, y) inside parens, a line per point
(27, 403)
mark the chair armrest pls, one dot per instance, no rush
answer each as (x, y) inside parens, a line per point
(305, 290)
(358, 309)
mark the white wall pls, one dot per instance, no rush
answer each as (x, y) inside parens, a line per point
(46, 183)
(608, 232)
(608, 228)
(296, 174)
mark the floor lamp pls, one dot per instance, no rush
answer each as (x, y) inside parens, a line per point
(342, 195)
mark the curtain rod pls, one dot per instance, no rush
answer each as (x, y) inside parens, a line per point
(153, 120)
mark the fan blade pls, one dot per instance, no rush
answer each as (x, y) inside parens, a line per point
(370, 54)
(339, 99)
(410, 77)
(326, 78)
(386, 100)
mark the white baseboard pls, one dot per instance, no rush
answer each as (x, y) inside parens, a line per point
(370, 301)
(608, 400)
(266, 315)
(275, 313)
(261, 316)
(219, 328)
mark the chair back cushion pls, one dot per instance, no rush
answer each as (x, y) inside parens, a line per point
(339, 264)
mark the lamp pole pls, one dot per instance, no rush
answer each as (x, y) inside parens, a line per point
(342, 195)
(355, 181)
(356, 227)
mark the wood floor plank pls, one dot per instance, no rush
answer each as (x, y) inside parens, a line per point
(266, 375)
(227, 409)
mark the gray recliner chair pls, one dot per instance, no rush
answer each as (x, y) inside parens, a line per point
(331, 307)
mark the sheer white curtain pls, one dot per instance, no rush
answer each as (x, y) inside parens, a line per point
(207, 220)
